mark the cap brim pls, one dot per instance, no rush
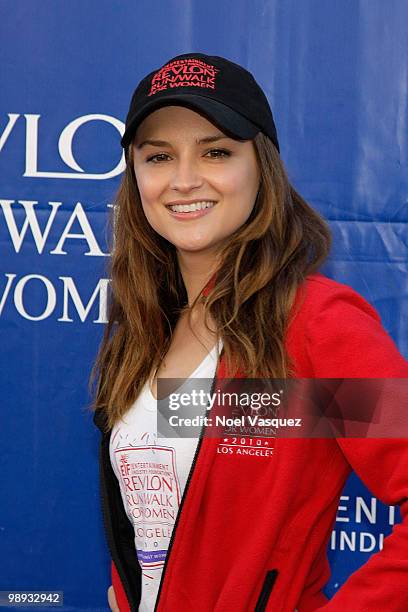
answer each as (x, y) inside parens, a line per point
(226, 119)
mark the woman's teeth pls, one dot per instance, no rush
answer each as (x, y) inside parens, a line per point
(191, 207)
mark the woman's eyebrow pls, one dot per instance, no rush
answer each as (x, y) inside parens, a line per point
(164, 143)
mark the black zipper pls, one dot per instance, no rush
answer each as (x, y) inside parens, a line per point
(267, 587)
(200, 441)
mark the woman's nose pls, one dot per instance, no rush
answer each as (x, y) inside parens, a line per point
(186, 176)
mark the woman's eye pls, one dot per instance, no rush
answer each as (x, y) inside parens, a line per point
(214, 154)
(219, 153)
(155, 158)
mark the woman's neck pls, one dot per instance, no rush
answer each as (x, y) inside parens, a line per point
(196, 270)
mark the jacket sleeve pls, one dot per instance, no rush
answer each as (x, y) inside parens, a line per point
(346, 340)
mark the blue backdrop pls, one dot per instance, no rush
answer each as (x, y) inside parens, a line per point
(336, 77)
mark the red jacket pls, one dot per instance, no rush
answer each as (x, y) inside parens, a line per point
(252, 531)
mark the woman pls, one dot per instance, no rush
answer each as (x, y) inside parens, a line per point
(214, 275)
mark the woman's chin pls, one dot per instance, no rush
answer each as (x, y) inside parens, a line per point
(194, 247)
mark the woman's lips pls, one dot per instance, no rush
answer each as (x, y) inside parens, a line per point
(186, 216)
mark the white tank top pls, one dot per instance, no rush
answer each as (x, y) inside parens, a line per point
(152, 475)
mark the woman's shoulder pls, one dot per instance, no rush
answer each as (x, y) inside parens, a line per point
(338, 333)
(320, 294)
(320, 287)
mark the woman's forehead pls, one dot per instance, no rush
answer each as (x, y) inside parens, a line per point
(171, 119)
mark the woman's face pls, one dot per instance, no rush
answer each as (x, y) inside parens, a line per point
(180, 158)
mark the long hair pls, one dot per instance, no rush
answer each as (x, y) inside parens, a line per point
(260, 268)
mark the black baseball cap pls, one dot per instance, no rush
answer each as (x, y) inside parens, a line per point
(225, 92)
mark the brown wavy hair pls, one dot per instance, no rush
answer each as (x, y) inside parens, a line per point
(260, 268)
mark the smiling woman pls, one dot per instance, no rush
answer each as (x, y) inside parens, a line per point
(182, 179)
(214, 276)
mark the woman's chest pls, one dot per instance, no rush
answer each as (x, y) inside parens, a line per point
(189, 347)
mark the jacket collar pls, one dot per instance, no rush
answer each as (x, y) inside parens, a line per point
(209, 286)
